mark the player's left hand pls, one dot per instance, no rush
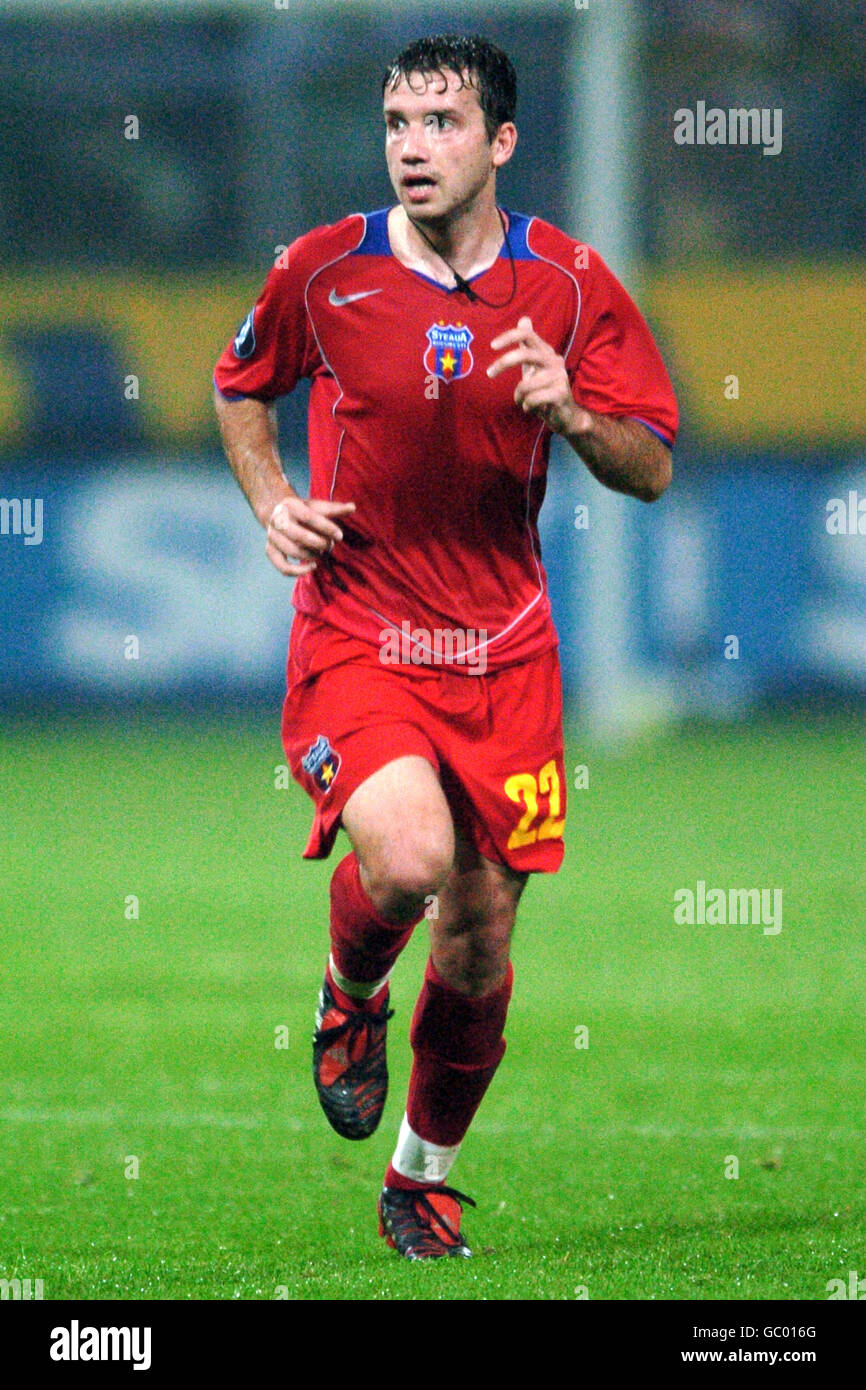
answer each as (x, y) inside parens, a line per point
(544, 388)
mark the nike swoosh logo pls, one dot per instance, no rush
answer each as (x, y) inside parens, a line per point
(338, 299)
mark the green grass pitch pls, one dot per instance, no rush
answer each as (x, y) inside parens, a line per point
(148, 1045)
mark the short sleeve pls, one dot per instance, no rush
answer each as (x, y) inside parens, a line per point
(274, 346)
(614, 365)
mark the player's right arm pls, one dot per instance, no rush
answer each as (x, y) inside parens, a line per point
(299, 532)
(274, 347)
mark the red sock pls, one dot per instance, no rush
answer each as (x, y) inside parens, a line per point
(364, 944)
(394, 1179)
(457, 1044)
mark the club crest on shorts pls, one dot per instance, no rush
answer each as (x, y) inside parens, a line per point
(322, 763)
(245, 339)
(448, 355)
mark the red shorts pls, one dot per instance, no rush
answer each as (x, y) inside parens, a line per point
(495, 740)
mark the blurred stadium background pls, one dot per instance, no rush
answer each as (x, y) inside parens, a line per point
(128, 263)
(154, 157)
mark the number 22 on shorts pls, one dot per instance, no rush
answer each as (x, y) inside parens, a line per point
(524, 790)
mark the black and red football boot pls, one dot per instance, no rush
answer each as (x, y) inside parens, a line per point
(349, 1064)
(423, 1224)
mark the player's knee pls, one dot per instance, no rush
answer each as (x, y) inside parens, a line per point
(402, 880)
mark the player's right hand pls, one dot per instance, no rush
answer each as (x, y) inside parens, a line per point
(299, 533)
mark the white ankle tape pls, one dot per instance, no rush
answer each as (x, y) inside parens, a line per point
(420, 1159)
(356, 989)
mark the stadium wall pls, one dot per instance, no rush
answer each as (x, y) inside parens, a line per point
(147, 579)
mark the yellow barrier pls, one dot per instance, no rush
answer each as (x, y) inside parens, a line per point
(791, 336)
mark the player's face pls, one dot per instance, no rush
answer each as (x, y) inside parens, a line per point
(439, 156)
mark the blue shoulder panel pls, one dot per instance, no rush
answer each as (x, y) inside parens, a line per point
(518, 226)
(376, 241)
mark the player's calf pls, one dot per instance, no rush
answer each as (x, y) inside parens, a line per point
(349, 1041)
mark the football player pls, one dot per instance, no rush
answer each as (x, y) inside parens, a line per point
(447, 339)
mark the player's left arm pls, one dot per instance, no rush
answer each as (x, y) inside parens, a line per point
(622, 453)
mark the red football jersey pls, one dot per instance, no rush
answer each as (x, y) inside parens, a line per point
(447, 473)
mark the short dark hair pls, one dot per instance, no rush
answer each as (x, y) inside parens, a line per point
(490, 71)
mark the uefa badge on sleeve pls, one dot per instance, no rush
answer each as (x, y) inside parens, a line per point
(244, 344)
(322, 763)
